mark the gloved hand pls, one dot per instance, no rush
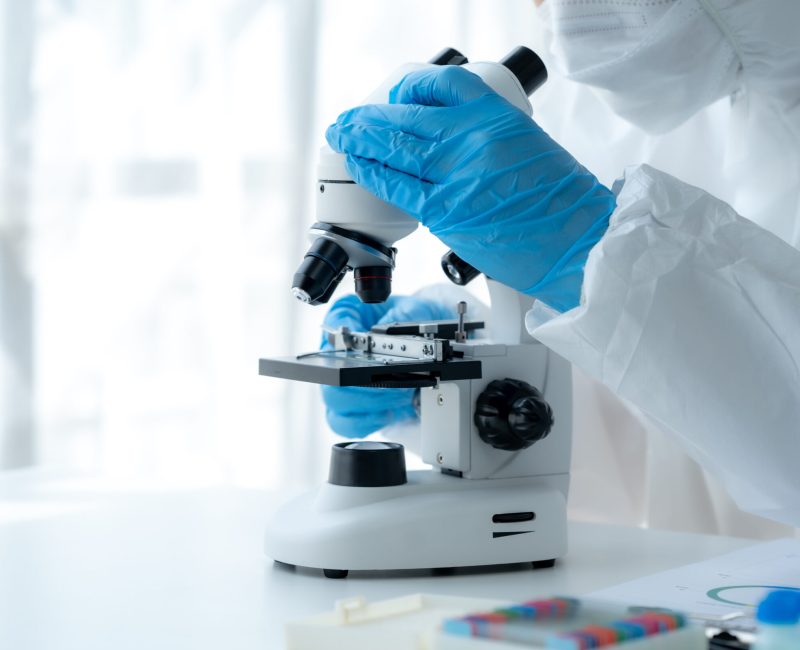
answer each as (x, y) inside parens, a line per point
(483, 177)
(355, 412)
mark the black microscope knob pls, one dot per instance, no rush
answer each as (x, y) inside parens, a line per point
(457, 270)
(511, 414)
(367, 463)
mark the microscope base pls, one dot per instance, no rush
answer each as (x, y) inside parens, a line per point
(433, 521)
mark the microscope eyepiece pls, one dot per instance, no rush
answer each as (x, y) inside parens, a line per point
(323, 267)
(527, 67)
(449, 56)
(373, 283)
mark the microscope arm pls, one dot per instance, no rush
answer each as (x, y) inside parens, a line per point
(507, 309)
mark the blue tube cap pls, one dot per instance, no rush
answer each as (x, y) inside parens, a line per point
(780, 608)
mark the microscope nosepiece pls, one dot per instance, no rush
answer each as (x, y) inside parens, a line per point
(373, 283)
(323, 267)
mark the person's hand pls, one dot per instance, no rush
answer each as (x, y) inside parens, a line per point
(483, 177)
(355, 412)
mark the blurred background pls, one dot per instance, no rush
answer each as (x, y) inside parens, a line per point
(157, 177)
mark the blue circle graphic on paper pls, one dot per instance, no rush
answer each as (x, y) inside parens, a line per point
(716, 593)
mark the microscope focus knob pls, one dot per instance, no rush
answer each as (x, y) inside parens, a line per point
(511, 414)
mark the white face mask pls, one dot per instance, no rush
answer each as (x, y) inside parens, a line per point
(656, 62)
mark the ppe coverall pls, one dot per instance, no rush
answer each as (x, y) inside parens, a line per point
(690, 312)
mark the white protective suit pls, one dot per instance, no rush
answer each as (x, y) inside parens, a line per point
(690, 312)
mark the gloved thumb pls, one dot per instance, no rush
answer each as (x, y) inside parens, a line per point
(445, 85)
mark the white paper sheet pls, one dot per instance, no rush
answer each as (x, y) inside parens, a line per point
(726, 588)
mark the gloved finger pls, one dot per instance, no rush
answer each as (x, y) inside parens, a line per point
(448, 85)
(415, 309)
(354, 426)
(401, 151)
(358, 399)
(349, 311)
(402, 190)
(363, 424)
(355, 412)
(425, 122)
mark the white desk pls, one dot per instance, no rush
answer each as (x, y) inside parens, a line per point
(88, 569)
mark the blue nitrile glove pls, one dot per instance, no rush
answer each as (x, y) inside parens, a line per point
(483, 177)
(356, 412)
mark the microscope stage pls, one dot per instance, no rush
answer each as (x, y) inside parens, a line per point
(347, 368)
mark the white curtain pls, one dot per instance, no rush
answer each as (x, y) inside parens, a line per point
(157, 182)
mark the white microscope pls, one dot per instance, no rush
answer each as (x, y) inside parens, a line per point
(495, 412)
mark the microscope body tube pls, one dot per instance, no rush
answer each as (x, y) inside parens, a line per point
(365, 227)
(345, 204)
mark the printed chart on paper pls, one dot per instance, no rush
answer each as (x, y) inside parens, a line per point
(726, 588)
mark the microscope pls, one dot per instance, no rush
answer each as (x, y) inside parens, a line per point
(495, 410)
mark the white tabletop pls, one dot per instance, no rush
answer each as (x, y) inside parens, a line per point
(90, 567)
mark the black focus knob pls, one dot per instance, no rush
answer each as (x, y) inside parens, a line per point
(511, 414)
(457, 270)
(367, 463)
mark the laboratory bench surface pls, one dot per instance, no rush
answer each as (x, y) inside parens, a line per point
(87, 566)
